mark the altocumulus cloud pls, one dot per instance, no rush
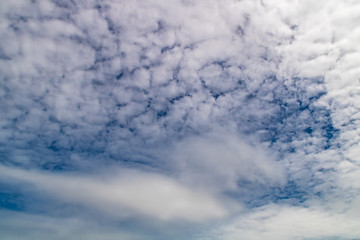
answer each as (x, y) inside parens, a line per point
(179, 120)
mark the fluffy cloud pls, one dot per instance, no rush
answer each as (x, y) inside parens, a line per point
(145, 86)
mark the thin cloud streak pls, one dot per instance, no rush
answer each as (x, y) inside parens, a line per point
(129, 193)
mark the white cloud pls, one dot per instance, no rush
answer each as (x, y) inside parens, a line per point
(128, 193)
(145, 83)
(290, 222)
(220, 160)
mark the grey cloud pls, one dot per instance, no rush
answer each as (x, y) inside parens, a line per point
(46, 227)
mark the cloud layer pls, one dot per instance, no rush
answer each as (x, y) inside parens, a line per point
(226, 115)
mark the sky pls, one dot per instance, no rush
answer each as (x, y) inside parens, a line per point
(181, 119)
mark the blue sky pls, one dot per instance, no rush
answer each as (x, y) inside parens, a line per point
(179, 119)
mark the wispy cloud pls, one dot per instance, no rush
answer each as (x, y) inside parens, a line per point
(289, 222)
(126, 193)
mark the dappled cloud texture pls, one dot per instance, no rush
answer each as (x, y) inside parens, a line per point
(179, 119)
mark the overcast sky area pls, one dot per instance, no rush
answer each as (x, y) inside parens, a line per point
(181, 119)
